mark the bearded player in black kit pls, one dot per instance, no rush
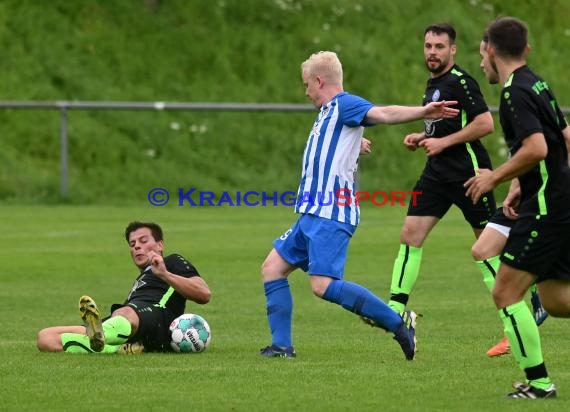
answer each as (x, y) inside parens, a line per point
(454, 152)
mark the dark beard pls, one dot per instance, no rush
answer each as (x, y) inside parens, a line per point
(494, 67)
(435, 70)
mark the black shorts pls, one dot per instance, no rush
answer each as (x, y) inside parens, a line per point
(501, 223)
(499, 218)
(539, 246)
(437, 197)
(154, 323)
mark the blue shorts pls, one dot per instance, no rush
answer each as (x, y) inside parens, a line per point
(317, 245)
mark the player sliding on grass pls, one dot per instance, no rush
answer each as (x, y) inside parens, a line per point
(318, 241)
(538, 247)
(157, 297)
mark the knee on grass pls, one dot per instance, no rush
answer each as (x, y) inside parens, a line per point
(48, 341)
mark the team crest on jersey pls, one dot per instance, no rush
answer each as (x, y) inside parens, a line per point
(436, 95)
(430, 127)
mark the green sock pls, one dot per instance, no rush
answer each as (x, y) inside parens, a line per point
(522, 332)
(489, 268)
(117, 330)
(404, 276)
(79, 343)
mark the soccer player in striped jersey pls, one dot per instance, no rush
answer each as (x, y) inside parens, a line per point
(538, 247)
(328, 208)
(454, 151)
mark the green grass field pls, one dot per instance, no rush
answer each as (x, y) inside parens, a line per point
(52, 255)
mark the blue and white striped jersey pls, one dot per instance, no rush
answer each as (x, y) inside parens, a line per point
(330, 160)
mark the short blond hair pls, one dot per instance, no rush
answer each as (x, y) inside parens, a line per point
(325, 64)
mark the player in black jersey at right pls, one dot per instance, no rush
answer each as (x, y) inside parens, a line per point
(157, 297)
(454, 153)
(538, 247)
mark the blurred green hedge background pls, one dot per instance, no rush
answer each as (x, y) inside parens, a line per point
(224, 51)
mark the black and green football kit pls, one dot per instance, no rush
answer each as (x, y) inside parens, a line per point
(157, 303)
(500, 219)
(539, 241)
(441, 182)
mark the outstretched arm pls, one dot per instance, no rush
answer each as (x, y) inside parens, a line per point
(404, 114)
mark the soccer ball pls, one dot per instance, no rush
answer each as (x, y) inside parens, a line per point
(189, 333)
